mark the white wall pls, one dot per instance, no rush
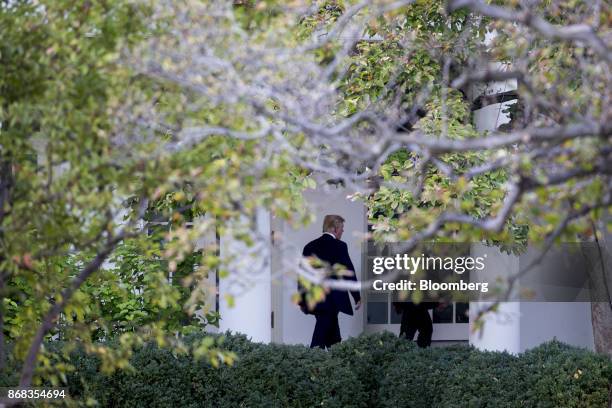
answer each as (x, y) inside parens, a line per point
(519, 326)
(501, 330)
(492, 116)
(569, 322)
(558, 277)
(296, 327)
(251, 313)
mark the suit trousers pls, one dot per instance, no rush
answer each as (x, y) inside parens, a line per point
(414, 320)
(327, 331)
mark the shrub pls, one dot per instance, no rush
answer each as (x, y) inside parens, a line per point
(419, 378)
(545, 377)
(377, 370)
(292, 376)
(561, 375)
(369, 356)
(265, 375)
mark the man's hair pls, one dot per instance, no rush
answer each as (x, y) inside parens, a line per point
(332, 221)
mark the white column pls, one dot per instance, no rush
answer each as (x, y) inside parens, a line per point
(501, 330)
(249, 280)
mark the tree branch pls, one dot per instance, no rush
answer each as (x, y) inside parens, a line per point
(575, 33)
(50, 319)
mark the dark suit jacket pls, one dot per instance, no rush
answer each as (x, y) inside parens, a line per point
(414, 315)
(333, 251)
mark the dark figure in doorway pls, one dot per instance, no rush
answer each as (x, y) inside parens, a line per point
(330, 249)
(415, 317)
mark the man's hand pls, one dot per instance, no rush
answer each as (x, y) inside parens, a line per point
(358, 305)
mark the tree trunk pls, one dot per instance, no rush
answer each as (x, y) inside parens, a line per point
(600, 276)
(6, 185)
(50, 319)
(2, 339)
(601, 316)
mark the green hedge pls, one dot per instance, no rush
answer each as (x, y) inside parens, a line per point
(369, 371)
(264, 376)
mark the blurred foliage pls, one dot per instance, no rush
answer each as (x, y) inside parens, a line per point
(81, 147)
(405, 57)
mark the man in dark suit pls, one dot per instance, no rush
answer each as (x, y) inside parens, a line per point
(415, 317)
(331, 250)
